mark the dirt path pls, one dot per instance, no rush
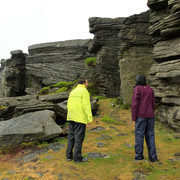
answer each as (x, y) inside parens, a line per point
(110, 148)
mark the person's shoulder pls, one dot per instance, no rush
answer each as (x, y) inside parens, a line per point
(149, 87)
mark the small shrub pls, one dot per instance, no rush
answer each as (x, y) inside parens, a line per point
(91, 61)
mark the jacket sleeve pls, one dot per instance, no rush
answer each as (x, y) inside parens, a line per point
(87, 106)
(134, 104)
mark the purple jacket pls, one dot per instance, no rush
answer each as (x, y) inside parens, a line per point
(143, 102)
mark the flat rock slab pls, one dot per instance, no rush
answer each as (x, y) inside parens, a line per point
(97, 129)
(39, 125)
(96, 155)
(104, 137)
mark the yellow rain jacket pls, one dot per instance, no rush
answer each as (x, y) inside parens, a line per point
(79, 106)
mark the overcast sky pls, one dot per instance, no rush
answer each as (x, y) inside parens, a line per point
(28, 22)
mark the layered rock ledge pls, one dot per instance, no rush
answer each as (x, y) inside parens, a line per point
(50, 63)
(164, 76)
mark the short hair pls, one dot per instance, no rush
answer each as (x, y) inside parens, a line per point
(140, 79)
(82, 80)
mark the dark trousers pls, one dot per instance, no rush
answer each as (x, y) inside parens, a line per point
(145, 127)
(76, 134)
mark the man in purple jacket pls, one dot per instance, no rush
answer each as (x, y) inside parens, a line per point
(142, 109)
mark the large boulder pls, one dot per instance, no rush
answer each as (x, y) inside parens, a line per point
(39, 125)
(15, 106)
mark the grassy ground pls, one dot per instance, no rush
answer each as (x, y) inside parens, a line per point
(117, 140)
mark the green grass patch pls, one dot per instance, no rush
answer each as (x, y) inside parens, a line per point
(43, 144)
(144, 168)
(126, 106)
(109, 120)
(63, 84)
(63, 87)
(91, 61)
(60, 140)
(28, 144)
(100, 97)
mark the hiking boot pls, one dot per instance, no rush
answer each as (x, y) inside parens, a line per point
(69, 159)
(85, 159)
(154, 160)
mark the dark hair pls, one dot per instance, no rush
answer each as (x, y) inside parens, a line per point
(140, 80)
(81, 81)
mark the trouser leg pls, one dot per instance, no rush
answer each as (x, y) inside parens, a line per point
(150, 139)
(79, 133)
(140, 126)
(71, 140)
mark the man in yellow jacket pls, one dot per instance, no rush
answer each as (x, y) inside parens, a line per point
(79, 114)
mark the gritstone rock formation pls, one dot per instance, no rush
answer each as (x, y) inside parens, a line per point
(124, 40)
(135, 52)
(13, 75)
(164, 77)
(50, 63)
(105, 43)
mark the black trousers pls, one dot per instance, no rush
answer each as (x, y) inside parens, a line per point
(76, 134)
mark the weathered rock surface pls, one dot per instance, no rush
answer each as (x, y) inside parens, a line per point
(165, 80)
(164, 21)
(13, 75)
(124, 49)
(164, 77)
(16, 106)
(38, 125)
(105, 43)
(135, 52)
(50, 63)
(26, 110)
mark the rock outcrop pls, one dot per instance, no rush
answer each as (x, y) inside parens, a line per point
(13, 72)
(41, 116)
(124, 49)
(105, 44)
(135, 52)
(164, 76)
(50, 63)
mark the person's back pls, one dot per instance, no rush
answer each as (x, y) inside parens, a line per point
(142, 109)
(79, 114)
(79, 108)
(143, 102)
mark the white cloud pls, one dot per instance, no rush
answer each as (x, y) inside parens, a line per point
(27, 22)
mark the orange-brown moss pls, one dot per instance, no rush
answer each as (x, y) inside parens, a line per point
(119, 165)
